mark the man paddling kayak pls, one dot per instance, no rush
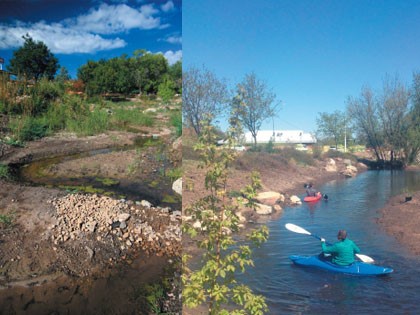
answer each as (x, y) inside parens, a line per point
(343, 251)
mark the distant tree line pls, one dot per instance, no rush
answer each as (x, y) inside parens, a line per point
(387, 121)
(143, 73)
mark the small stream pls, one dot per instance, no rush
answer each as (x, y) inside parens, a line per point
(156, 189)
(353, 205)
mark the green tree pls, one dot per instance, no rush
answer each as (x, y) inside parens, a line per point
(149, 71)
(63, 75)
(33, 60)
(254, 103)
(215, 283)
(332, 126)
(203, 95)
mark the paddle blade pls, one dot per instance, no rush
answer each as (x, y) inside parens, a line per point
(365, 259)
(296, 229)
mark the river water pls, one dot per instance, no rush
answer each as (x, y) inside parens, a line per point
(353, 205)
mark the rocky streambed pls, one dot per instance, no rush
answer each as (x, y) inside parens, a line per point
(66, 251)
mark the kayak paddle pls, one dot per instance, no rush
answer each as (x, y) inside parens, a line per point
(300, 230)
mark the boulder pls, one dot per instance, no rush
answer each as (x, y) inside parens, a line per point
(146, 204)
(347, 162)
(124, 217)
(277, 208)
(263, 209)
(331, 166)
(295, 200)
(350, 171)
(241, 217)
(177, 186)
(268, 197)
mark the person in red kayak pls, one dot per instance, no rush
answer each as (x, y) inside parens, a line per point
(310, 190)
(343, 251)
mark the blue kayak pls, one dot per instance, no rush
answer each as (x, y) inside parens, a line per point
(358, 268)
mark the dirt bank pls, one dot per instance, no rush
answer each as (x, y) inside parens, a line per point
(400, 218)
(278, 175)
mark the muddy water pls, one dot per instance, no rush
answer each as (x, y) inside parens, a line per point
(120, 292)
(156, 189)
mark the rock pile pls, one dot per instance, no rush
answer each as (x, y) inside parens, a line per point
(118, 223)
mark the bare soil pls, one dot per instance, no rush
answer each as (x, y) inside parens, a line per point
(400, 218)
(47, 272)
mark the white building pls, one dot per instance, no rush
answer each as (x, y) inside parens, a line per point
(281, 136)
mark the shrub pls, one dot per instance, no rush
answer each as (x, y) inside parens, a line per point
(44, 93)
(29, 128)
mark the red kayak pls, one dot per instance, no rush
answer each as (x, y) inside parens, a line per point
(313, 198)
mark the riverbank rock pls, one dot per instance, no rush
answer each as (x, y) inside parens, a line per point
(331, 166)
(263, 209)
(177, 186)
(295, 200)
(350, 171)
(269, 197)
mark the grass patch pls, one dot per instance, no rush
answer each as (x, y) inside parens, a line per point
(4, 172)
(7, 219)
(95, 122)
(125, 117)
(169, 199)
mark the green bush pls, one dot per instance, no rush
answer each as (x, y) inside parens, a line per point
(176, 121)
(44, 93)
(28, 128)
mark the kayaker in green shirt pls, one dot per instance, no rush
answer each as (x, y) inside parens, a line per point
(343, 251)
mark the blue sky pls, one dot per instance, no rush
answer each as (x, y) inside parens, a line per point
(76, 31)
(313, 54)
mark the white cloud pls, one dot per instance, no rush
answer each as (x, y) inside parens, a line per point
(83, 34)
(172, 39)
(173, 56)
(168, 6)
(111, 19)
(58, 38)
